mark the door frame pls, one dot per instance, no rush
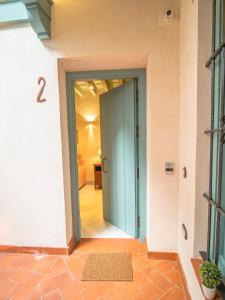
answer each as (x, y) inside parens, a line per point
(141, 182)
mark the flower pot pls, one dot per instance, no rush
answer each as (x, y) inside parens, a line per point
(209, 293)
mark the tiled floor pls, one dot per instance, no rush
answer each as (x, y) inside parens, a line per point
(24, 276)
(92, 223)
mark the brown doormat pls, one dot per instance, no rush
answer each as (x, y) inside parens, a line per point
(108, 267)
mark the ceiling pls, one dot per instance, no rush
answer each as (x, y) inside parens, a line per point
(97, 87)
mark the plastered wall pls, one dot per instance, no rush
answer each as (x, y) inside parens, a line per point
(35, 203)
(195, 48)
(34, 177)
(88, 126)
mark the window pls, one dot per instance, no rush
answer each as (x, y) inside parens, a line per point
(216, 197)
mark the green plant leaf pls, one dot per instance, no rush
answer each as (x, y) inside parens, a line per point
(211, 275)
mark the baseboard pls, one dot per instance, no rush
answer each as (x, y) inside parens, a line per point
(163, 255)
(39, 250)
(34, 250)
(174, 257)
(82, 186)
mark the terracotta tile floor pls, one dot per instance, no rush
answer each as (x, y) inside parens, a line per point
(36, 277)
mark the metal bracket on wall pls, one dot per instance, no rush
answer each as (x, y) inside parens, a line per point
(35, 12)
(184, 172)
(185, 232)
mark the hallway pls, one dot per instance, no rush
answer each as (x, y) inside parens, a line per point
(36, 277)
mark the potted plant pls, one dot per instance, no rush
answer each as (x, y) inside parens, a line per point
(211, 278)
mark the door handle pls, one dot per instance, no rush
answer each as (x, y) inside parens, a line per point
(103, 164)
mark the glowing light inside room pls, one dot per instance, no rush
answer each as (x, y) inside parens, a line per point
(90, 118)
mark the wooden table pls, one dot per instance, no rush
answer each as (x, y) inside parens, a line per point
(98, 175)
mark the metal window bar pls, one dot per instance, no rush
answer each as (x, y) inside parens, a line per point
(215, 130)
(220, 131)
(220, 166)
(214, 204)
(211, 62)
(212, 125)
(217, 203)
(214, 55)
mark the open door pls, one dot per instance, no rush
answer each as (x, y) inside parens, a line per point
(119, 161)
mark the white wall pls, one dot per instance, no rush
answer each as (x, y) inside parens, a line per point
(162, 43)
(162, 141)
(38, 194)
(188, 138)
(203, 123)
(188, 118)
(31, 183)
(195, 42)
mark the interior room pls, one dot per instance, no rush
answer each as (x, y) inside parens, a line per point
(89, 159)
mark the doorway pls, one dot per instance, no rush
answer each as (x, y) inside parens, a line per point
(106, 187)
(120, 153)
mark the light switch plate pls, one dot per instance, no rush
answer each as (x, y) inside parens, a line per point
(169, 167)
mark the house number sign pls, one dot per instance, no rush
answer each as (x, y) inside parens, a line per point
(42, 83)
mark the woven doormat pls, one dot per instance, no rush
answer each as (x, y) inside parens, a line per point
(108, 267)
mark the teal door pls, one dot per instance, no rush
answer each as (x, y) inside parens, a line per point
(119, 162)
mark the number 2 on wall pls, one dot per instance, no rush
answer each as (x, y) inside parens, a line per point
(39, 97)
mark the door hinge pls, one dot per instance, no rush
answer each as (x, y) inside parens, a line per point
(138, 221)
(137, 132)
(137, 173)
